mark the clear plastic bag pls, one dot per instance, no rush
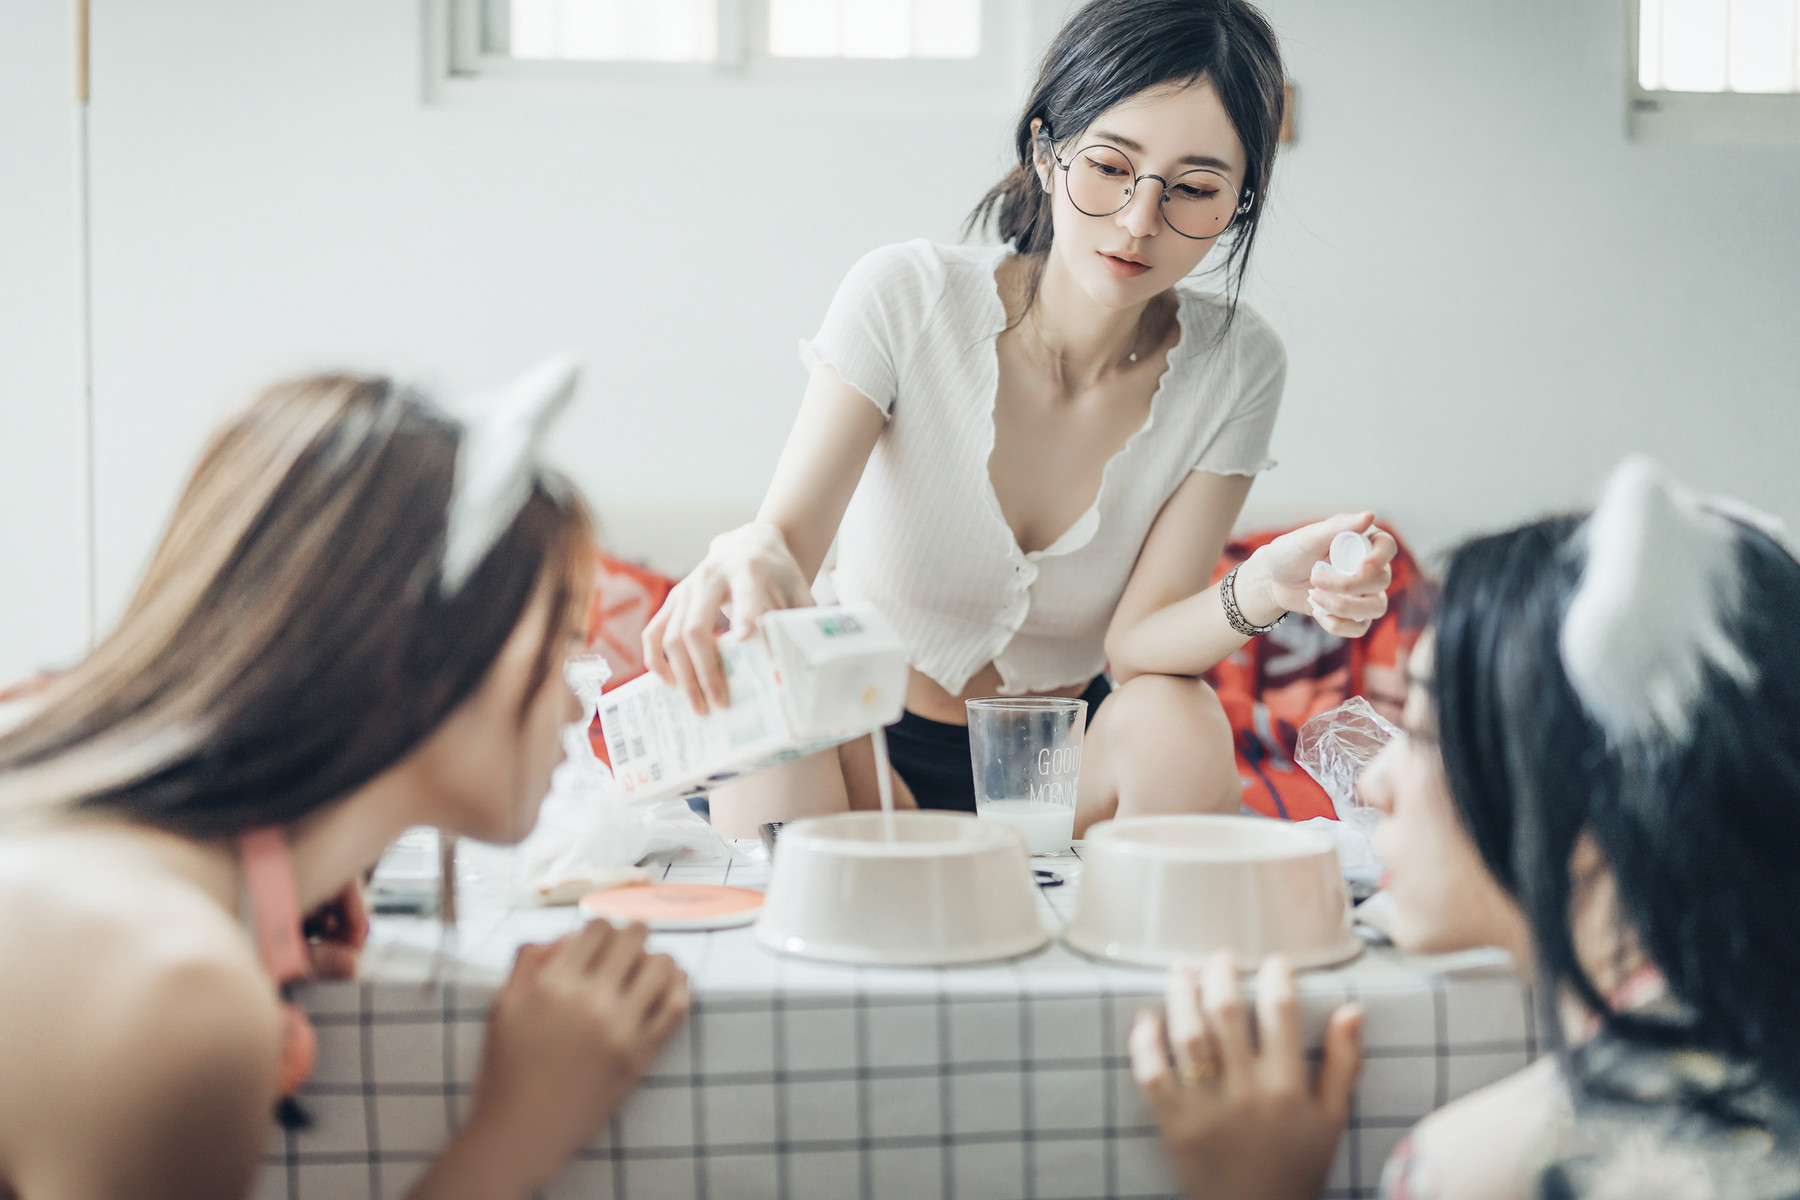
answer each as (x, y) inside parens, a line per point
(1334, 748)
(588, 834)
(1336, 745)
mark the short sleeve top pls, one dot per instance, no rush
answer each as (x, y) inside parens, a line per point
(924, 539)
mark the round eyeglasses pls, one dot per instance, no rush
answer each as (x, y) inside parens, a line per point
(1198, 204)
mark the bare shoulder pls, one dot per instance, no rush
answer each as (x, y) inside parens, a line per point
(140, 1026)
(1488, 1145)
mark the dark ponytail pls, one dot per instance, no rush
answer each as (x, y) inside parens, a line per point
(1111, 51)
(1020, 210)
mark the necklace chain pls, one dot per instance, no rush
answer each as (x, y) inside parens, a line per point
(1131, 355)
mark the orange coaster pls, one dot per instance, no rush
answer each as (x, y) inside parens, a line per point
(671, 906)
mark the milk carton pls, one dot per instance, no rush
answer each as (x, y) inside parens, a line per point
(808, 679)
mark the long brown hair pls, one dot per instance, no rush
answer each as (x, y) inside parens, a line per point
(289, 640)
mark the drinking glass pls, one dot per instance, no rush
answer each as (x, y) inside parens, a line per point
(1026, 752)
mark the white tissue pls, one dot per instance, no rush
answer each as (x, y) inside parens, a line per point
(588, 835)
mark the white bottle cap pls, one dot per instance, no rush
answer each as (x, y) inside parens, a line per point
(1348, 549)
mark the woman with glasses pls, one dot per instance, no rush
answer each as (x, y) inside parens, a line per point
(1031, 455)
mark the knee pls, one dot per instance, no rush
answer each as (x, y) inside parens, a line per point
(1164, 713)
(1169, 746)
(806, 787)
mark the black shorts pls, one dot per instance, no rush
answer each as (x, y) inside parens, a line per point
(933, 757)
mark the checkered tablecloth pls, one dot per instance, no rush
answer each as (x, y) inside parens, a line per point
(808, 1080)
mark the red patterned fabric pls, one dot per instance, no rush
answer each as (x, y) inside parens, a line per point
(1279, 680)
(625, 598)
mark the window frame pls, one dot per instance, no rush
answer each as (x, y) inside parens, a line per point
(457, 66)
(1727, 118)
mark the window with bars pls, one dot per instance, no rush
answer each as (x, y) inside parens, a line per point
(1719, 45)
(606, 30)
(1715, 71)
(700, 30)
(874, 28)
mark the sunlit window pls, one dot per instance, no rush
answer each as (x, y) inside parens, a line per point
(1719, 45)
(874, 28)
(688, 30)
(615, 30)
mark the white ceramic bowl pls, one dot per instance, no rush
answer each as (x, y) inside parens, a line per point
(948, 889)
(1158, 889)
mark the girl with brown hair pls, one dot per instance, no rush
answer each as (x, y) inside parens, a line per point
(354, 624)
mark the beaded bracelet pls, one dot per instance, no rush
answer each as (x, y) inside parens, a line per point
(1234, 614)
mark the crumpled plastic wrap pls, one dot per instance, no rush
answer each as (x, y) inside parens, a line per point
(1336, 745)
(1334, 748)
(588, 835)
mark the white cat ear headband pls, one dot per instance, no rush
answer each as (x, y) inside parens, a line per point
(1661, 587)
(495, 463)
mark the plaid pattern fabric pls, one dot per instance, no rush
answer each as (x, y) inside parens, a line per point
(802, 1080)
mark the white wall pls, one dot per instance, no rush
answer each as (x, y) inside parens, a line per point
(1486, 291)
(272, 196)
(43, 608)
(1489, 294)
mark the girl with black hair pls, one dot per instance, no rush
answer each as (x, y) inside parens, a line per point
(355, 623)
(1030, 455)
(1600, 772)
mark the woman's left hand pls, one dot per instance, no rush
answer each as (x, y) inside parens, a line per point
(1241, 1117)
(1296, 575)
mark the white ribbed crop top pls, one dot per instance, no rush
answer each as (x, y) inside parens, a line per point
(912, 327)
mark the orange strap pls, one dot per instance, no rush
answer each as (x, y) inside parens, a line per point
(274, 903)
(273, 900)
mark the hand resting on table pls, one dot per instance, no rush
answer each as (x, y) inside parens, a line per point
(570, 1034)
(1242, 1117)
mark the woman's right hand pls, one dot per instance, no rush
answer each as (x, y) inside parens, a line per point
(1296, 575)
(1242, 1116)
(569, 1035)
(746, 573)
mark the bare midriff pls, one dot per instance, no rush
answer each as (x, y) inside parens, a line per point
(926, 697)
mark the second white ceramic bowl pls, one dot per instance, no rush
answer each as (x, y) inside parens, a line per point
(948, 889)
(1155, 890)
